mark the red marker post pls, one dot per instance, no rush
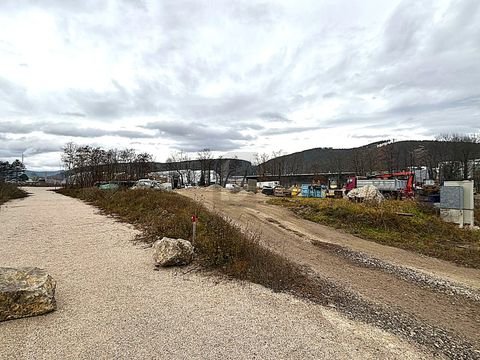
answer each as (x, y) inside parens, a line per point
(194, 228)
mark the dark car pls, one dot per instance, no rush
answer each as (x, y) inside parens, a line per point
(268, 190)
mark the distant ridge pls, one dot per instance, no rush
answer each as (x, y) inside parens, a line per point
(31, 173)
(374, 157)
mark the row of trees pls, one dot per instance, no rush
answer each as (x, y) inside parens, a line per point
(199, 170)
(14, 171)
(85, 165)
(449, 157)
(461, 161)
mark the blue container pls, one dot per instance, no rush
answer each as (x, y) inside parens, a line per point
(305, 190)
(313, 191)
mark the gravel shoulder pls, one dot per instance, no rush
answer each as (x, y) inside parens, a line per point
(112, 304)
(431, 291)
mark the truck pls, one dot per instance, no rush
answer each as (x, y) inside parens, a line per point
(395, 185)
(272, 184)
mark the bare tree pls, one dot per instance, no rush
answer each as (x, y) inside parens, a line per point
(260, 161)
(143, 165)
(176, 163)
(87, 165)
(462, 152)
(127, 157)
(206, 161)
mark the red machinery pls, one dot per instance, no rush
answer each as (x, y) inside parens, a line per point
(397, 184)
(409, 190)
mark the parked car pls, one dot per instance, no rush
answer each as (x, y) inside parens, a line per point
(268, 190)
(152, 184)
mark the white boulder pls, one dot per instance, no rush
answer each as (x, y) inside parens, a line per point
(172, 252)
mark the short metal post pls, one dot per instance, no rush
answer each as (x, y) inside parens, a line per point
(194, 228)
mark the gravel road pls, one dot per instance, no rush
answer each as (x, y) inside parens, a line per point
(112, 304)
(431, 301)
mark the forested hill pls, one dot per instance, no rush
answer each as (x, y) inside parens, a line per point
(379, 156)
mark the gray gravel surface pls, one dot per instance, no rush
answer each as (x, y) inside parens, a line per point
(405, 273)
(112, 304)
(434, 303)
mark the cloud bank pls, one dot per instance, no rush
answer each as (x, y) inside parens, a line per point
(234, 76)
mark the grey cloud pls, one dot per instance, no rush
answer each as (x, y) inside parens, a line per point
(106, 105)
(13, 98)
(74, 114)
(274, 116)
(370, 137)
(13, 148)
(87, 132)
(330, 94)
(11, 127)
(67, 129)
(245, 125)
(290, 130)
(402, 33)
(197, 136)
(420, 63)
(426, 106)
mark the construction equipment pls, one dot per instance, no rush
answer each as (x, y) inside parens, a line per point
(395, 185)
(279, 191)
(282, 192)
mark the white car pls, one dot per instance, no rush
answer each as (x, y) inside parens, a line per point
(152, 184)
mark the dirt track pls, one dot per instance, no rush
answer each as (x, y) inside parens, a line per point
(112, 304)
(430, 291)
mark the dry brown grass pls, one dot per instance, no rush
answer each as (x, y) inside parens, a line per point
(424, 232)
(219, 243)
(10, 191)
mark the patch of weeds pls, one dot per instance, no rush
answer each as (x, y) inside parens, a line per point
(421, 230)
(10, 191)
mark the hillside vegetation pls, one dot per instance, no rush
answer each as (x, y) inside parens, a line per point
(379, 156)
(10, 191)
(386, 223)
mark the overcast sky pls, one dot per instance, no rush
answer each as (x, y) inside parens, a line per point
(233, 76)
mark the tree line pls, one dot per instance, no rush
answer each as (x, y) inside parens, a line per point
(85, 165)
(205, 169)
(14, 171)
(449, 157)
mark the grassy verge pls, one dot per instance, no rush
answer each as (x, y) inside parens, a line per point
(219, 243)
(9, 192)
(423, 231)
(477, 210)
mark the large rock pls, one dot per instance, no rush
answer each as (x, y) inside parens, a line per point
(171, 252)
(367, 193)
(28, 291)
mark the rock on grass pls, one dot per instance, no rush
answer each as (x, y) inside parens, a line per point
(172, 252)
